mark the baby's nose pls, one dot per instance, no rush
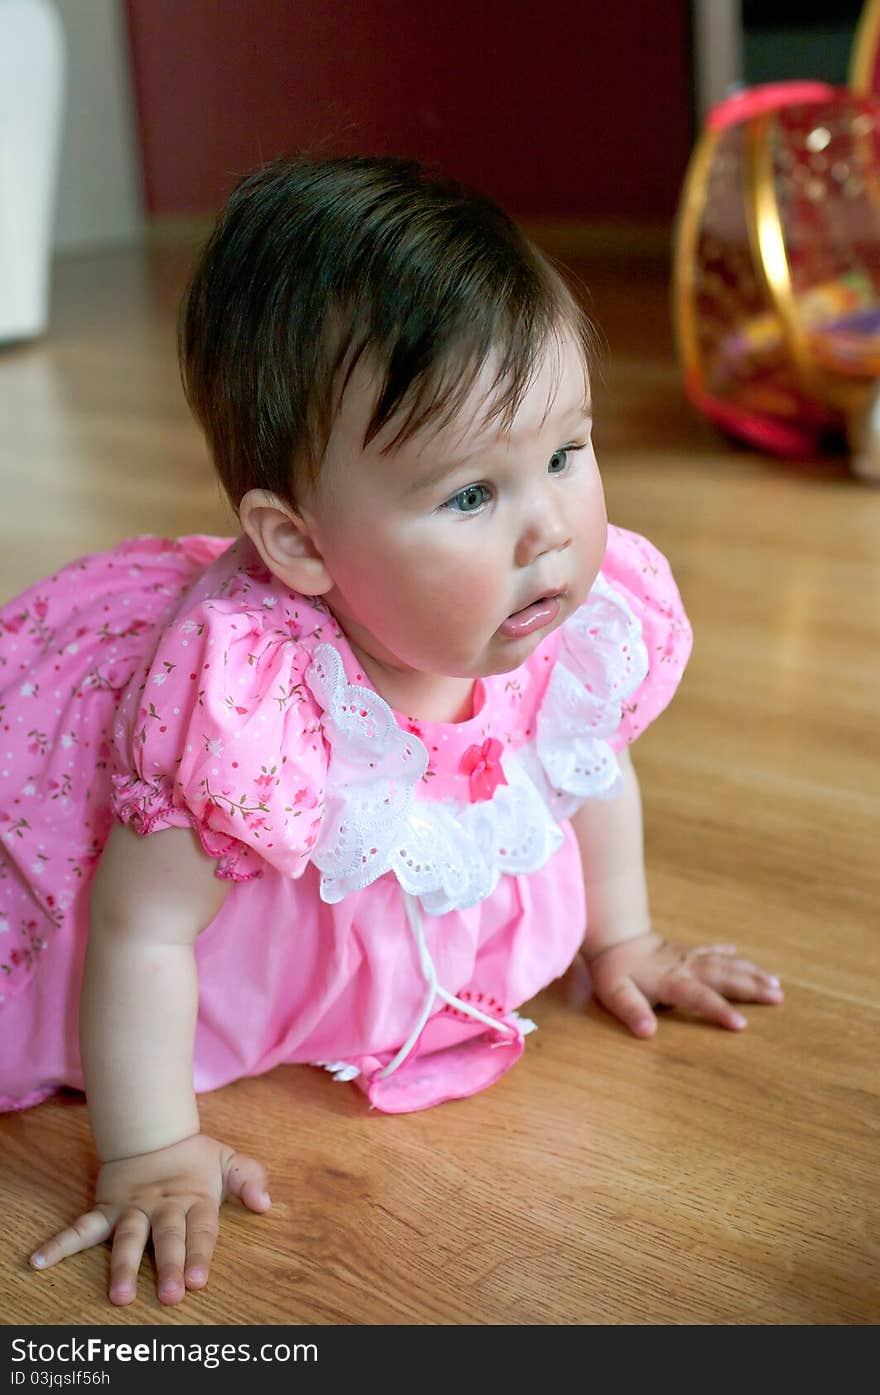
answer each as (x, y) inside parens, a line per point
(543, 532)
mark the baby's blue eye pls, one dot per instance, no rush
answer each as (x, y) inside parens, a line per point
(558, 461)
(468, 500)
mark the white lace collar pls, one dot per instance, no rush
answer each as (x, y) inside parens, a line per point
(447, 853)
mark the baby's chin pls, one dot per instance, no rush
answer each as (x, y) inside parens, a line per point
(513, 653)
(505, 653)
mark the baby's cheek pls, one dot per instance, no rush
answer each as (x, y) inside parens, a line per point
(473, 591)
(592, 531)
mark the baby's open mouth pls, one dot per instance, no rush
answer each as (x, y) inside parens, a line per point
(532, 617)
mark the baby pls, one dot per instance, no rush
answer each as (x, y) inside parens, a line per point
(352, 787)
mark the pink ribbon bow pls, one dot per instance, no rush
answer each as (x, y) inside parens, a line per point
(483, 765)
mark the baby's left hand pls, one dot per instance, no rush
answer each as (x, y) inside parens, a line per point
(630, 978)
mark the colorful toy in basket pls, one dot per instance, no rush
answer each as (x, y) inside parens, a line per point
(777, 275)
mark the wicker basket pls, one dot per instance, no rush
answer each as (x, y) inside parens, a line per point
(777, 274)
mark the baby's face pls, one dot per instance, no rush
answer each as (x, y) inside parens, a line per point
(456, 553)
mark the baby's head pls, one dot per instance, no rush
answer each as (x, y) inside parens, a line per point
(394, 386)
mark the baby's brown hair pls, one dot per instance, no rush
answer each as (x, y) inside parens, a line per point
(315, 265)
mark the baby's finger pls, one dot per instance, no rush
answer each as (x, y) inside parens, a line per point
(630, 1005)
(740, 980)
(169, 1247)
(202, 1225)
(91, 1228)
(246, 1179)
(685, 991)
(129, 1244)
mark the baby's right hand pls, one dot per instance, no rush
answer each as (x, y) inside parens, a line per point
(174, 1192)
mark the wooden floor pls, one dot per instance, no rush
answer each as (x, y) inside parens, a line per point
(700, 1177)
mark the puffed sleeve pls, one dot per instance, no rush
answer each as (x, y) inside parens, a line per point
(220, 733)
(641, 577)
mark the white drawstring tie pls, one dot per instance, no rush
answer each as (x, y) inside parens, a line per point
(435, 990)
(343, 1070)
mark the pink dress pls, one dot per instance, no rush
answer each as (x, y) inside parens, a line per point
(399, 887)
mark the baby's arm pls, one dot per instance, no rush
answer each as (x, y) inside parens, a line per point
(633, 969)
(150, 900)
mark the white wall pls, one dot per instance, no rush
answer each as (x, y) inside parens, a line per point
(99, 199)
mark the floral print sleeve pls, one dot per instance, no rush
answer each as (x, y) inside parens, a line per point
(641, 576)
(219, 732)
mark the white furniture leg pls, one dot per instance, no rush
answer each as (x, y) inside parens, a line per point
(31, 90)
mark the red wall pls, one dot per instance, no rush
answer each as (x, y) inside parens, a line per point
(560, 109)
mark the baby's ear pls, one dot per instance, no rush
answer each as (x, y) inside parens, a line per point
(285, 543)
